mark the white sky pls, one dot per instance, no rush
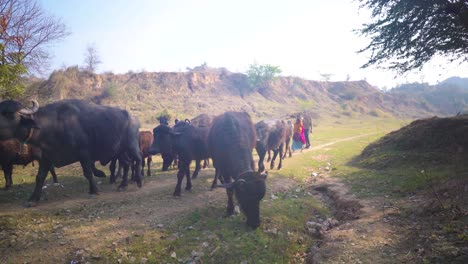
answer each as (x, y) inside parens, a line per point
(305, 38)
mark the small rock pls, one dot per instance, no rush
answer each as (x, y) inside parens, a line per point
(159, 225)
(315, 174)
(143, 260)
(173, 255)
(274, 197)
(205, 244)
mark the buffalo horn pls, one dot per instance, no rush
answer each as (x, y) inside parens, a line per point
(26, 111)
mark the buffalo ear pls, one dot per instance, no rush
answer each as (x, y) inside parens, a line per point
(28, 123)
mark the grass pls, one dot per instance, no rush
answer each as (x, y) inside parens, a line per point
(214, 239)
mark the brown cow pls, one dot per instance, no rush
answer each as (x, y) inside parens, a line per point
(146, 140)
(12, 152)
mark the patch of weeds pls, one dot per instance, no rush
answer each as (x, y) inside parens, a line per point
(206, 235)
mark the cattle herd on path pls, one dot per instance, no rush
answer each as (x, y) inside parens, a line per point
(69, 131)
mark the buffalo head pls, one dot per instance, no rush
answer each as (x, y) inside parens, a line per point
(15, 120)
(162, 140)
(250, 189)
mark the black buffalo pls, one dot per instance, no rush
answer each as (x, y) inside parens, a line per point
(271, 136)
(187, 142)
(288, 140)
(13, 152)
(231, 140)
(72, 130)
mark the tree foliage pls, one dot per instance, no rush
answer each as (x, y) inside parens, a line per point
(260, 75)
(405, 34)
(25, 33)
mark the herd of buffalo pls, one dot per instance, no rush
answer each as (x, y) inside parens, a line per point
(72, 130)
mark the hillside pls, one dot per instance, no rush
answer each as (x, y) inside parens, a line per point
(446, 98)
(215, 90)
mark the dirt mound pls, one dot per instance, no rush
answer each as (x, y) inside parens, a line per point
(434, 140)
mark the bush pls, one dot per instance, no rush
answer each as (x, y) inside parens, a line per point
(260, 75)
(110, 91)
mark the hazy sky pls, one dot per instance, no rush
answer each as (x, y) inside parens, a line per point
(305, 38)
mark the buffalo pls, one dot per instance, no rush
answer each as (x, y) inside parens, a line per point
(145, 139)
(187, 142)
(271, 136)
(231, 140)
(13, 152)
(69, 131)
(288, 140)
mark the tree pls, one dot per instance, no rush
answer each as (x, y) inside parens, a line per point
(25, 33)
(91, 58)
(405, 34)
(261, 75)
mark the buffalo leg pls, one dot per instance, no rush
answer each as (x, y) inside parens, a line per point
(44, 168)
(123, 164)
(8, 171)
(180, 177)
(54, 175)
(148, 162)
(112, 171)
(280, 150)
(133, 167)
(269, 156)
(167, 161)
(215, 180)
(272, 163)
(206, 162)
(135, 156)
(261, 158)
(87, 166)
(119, 169)
(286, 147)
(230, 203)
(142, 165)
(188, 185)
(197, 169)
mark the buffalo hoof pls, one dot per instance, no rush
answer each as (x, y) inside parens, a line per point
(194, 177)
(122, 188)
(176, 194)
(140, 184)
(29, 204)
(93, 195)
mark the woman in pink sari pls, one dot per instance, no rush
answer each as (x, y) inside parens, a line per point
(298, 136)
